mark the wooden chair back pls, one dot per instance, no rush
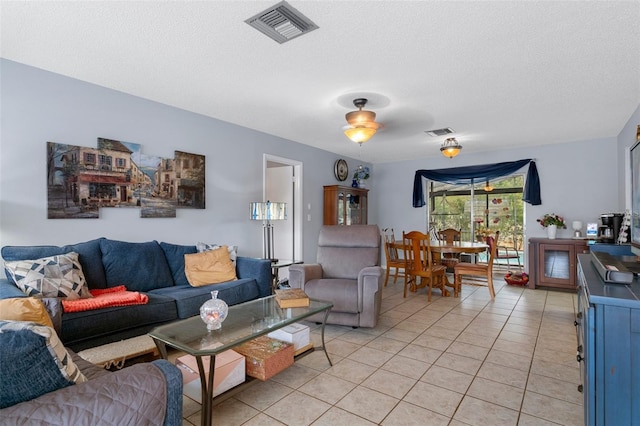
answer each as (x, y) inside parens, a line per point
(449, 235)
(419, 261)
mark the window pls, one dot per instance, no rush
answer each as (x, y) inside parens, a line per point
(499, 209)
(97, 190)
(89, 158)
(105, 162)
(121, 162)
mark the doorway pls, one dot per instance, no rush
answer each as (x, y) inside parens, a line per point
(283, 183)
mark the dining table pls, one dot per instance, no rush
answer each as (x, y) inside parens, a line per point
(441, 247)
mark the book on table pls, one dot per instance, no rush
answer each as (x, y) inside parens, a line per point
(292, 298)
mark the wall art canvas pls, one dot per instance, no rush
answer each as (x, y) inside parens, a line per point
(67, 194)
(81, 180)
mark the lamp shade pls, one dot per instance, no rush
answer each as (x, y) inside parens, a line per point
(266, 210)
(450, 148)
(359, 134)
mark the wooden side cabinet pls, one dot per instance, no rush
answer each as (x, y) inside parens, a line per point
(344, 205)
(552, 263)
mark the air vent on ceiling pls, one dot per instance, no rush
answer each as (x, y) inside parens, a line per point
(282, 22)
(439, 132)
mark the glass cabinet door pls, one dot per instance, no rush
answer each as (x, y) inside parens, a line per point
(345, 205)
(341, 207)
(557, 264)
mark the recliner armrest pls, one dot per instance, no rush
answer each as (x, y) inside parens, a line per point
(370, 271)
(299, 275)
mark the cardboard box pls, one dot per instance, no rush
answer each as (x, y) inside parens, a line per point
(265, 357)
(295, 333)
(230, 372)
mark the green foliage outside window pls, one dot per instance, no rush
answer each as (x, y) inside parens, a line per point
(501, 209)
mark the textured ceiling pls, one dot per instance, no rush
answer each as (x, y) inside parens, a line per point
(499, 74)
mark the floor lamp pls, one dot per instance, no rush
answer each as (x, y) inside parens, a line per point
(266, 211)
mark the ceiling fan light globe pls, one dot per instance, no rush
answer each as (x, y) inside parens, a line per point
(450, 148)
(360, 134)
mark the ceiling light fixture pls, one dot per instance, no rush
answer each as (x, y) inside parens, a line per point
(450, 147)
(362, 123)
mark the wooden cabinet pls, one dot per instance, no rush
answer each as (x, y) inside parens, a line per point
(552, 263)
(344, 205)
(608, 328)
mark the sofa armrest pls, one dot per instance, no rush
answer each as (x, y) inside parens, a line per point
(9, 290)
(258, 269)
(299, 275)
(136, 395)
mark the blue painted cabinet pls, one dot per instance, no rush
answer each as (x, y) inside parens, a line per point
(608, 325)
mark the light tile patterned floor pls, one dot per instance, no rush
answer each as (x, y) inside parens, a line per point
(454, 361)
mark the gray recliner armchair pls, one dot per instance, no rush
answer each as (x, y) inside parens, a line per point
(347, 274)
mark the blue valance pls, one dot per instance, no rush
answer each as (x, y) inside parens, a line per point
(469, 174)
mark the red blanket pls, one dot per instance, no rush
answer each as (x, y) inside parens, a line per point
(102, 298)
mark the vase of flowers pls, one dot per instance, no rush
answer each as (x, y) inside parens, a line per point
(552, 222)
(361, 175)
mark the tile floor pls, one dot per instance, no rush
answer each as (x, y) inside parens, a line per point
(454, 361)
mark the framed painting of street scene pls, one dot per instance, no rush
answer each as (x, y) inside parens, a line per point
(81, 180)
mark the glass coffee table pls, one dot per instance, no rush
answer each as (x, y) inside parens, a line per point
(244, 322)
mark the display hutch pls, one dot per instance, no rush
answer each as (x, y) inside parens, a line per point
(553, 263)
(345, 205)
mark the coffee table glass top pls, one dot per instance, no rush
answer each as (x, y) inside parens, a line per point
(244, 322)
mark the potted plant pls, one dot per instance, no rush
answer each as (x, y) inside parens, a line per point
(361, 174)
(552, 222)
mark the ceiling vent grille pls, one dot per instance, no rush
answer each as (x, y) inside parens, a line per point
(282, 22)
(439, 132)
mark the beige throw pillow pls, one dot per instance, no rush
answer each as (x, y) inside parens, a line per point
(209, 267)
(25, 309)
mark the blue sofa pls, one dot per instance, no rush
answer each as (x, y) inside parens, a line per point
(153, 268)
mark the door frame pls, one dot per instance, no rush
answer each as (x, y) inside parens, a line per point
(296, 211)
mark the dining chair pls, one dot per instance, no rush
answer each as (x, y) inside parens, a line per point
(450, 236)
(420, 264)
(391, 253)
(477, 269)
(508, 253)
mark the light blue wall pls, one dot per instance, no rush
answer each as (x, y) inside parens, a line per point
(578, 181)
(39, 106)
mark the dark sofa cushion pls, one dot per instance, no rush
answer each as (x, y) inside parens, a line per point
(175, 258)
(189, 299)
(78, 326)
(138, 266)
(27, 368)
(90, 257)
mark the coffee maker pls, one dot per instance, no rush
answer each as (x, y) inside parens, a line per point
(610, 229)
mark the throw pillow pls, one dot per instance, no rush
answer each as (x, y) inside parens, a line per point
(25, 309)
(56, 349)
(138, 266)
(26, 367)
(233, 250)
(53, 276)
(209, 267)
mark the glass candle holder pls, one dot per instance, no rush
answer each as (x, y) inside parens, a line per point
(213, 312)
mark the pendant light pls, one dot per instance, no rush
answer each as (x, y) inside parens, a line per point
(362, 123)
(450, 147)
